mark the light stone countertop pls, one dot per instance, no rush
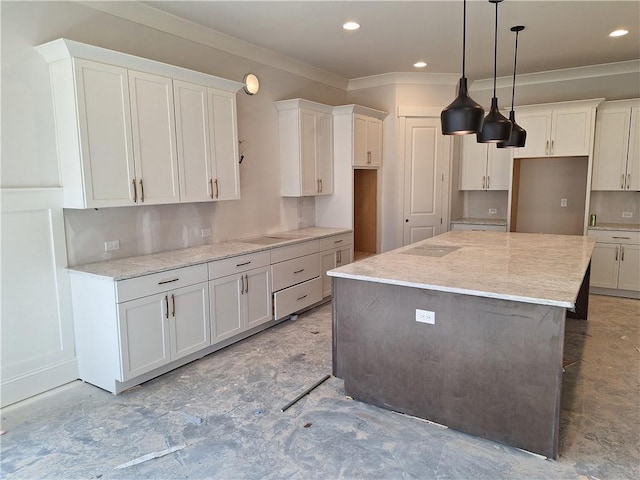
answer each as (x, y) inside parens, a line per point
(481, 221)
(625, 227)
(124, 268)
(525, 267)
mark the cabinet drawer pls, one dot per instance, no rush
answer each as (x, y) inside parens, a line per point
(296, 298)
(613, 236)
(336, 241)
(241, 263)
(297, 270)
(292, 251)
(159, 282)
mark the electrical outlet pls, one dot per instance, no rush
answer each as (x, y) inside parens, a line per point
(627, 214)
(493, 211)
(112, 245)
(425, 316)
(563, 202)
(206, 232)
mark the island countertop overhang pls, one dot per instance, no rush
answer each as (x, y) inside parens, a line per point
(542, 269)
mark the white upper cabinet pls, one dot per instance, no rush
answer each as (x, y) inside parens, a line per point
(558, 129)
(483, 166)
(154, 138)
(207, 143)
(367, 141)
(119, 140)
(306, 148)
(616, 163)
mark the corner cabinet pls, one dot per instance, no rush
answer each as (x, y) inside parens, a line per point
(484, 166)
(306, 148)
(557, 130)
(365, 134)
(119, 140)
(616, 158)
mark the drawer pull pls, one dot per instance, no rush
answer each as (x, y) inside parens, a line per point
(623, 238)
(338, 241)
(300, 298)
(299, 271)
(243, 264)
(168, 281)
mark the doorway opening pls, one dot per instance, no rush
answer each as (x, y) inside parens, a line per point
(365, 213)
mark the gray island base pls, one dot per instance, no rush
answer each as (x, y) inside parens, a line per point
(488, 366)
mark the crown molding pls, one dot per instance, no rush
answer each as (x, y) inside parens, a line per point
(403, 78)
(151, 17)
(562, 75)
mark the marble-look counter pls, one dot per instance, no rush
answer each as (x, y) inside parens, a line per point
(532, 268)
(481, 221)
(625, 227)
(124, 268)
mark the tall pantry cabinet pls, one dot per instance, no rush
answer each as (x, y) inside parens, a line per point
(119, 140)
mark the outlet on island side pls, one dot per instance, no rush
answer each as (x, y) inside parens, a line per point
(425, 316)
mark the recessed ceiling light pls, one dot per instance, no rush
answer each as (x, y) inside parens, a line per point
(351, 26)
(420, 64)
(618, 33)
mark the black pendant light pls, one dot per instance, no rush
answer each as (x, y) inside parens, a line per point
(518, 134)
(496, 127)
(463, 116)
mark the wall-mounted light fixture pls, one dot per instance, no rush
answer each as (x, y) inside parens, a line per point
(251, 84)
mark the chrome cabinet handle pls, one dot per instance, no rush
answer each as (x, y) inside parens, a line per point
(246, 288)
(141, 191)
(488, 181)
(622, 181)
(168, 281)
(483, 181)
(211, 187)
(622, 253)
(321, 186)
(338, 241)
(628, 181)
(242, 285)
(173, 303)
(166, 302)
(243, 264)
(617, 248)
(368, 157)
(546, 148)
(217, 191)
(299, 271)
(300, 298)
(623, 238)
(318, 185)
(135, 191)
(552, 146)
(339, 257)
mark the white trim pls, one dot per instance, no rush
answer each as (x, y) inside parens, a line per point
(360, 110)
(403, 78)
(562, 75)
(151, 17)
(414, 111)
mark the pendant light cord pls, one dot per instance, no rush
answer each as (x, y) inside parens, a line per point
(515, 59)
(464, 34)
(495, 53)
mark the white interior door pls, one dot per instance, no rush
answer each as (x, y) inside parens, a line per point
(424, 173)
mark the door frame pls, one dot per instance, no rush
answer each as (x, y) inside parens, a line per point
(405, 112)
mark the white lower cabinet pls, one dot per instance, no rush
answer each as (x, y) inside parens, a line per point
(336, 251)
(615, 263)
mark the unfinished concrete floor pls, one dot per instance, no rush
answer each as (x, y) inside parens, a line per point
(223, 415)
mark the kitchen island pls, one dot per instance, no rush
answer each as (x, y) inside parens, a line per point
(465, 329)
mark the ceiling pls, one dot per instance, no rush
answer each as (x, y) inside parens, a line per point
(395, 34)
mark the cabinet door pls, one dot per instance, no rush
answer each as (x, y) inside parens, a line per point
(374, 142)
(258, 308)
(473, 165)
(629, 273)
(498, 168)
(154, 137)
(192, 137)
(189, 319)
(225, 307)
(328, 261)
(360, 147)
(105, 134)
(604, 265)
(538, 127)
(570, 132)
(224, 144)
(144, 335)
(633, 161)
(324, 153)
(310, 182)
(611, 148)
(343, 256)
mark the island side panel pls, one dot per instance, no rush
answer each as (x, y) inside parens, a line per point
(488, 367)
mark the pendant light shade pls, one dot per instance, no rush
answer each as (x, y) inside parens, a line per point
(496, 127)
(518, 134)
(463, 116)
